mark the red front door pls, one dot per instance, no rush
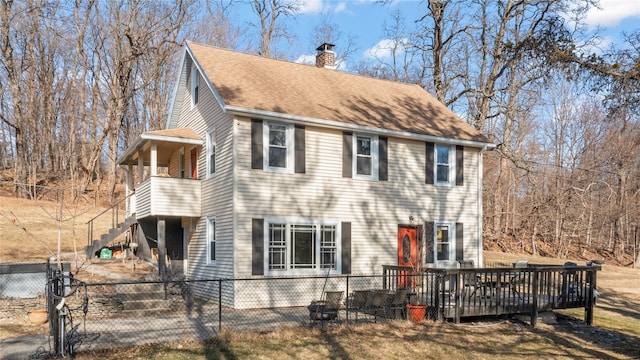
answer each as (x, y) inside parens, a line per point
(407, 253)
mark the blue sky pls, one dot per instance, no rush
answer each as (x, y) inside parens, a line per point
(363, 20)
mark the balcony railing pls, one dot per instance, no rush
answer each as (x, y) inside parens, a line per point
(166, 196)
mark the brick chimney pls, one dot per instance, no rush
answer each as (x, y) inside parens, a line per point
(325, 57)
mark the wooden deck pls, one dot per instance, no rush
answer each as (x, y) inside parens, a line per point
(457, 293)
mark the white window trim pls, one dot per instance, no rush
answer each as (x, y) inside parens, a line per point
(195, 82)
(302, 221)
(452, 240)
(452, 166)
(211, 231)
(211, 143)
(290, 148)
(375, 156)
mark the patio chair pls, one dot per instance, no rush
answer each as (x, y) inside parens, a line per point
(357, 302)
(519, 279)
(396, 305)
(377, 303)
(326, 309)
(471, 281)
(571, 288)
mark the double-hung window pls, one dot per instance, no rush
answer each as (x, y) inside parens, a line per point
(195, 85)
(301, 247)
(278, 143)
(211, 241)
(445, 241)
(365, 152)
(445, 165)
(211, 154)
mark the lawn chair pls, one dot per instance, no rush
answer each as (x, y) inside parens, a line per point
(571, 289)
(518, 280)
(326, 309)
(377, 303)
(471, 281)
(357, 302)
(396, 306)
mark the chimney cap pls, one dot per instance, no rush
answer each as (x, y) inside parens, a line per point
(325, 47)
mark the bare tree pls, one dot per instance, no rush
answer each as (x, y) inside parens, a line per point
(269, 12)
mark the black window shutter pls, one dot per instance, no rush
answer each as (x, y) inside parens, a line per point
(256, 144)
(459, 241)
(428, 241)
(382, 158)
(429, 163)
(257, 254)
(299, 146)
(347, 154)
(459, 165)
(346, 247)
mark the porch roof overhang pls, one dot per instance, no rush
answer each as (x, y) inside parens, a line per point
(167, 141)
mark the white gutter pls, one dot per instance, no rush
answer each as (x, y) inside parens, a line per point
(480, 226)
(268, 115)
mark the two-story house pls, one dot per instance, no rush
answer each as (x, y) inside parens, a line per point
(270, 168)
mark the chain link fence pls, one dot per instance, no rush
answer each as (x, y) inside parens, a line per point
(86, 316)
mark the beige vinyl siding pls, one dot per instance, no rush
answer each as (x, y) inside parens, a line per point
(143, 200)
(217, 194)
(375, 208)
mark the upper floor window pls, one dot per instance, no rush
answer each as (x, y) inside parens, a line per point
(364, 156)
(278, 147)
(211, 153)
(195, 86)
(365, 152)
(445, 165)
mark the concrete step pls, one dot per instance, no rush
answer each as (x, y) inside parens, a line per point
(155, 288)
(145, 305)
(140, 296)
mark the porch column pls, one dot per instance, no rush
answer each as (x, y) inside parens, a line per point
(140, 166)
(129, 188)
(154, 159)
(162, 248)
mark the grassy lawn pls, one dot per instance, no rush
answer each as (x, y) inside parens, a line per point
(398, 340)
(29, 230)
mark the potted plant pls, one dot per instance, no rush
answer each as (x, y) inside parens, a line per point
(416, 310)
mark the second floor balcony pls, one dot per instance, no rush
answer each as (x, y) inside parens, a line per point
(162, 174)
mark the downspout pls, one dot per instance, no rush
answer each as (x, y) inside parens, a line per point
(480, 241)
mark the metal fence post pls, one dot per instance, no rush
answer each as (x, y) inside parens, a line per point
(347, 300)
(219, 306)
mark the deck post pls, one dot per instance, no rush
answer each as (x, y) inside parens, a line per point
(591, 287)
(457, 297)
(534, 305)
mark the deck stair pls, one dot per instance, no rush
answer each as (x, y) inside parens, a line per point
(113, 233)
(142, 297)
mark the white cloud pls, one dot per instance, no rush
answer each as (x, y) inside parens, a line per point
(306, 59)
(340, 7)
(311, 6)
(384, 49)
(612, 12)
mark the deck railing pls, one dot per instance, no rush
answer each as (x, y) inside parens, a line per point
(457, 293)
(114, 212)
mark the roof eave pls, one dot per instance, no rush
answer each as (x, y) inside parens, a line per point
(236, 110)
